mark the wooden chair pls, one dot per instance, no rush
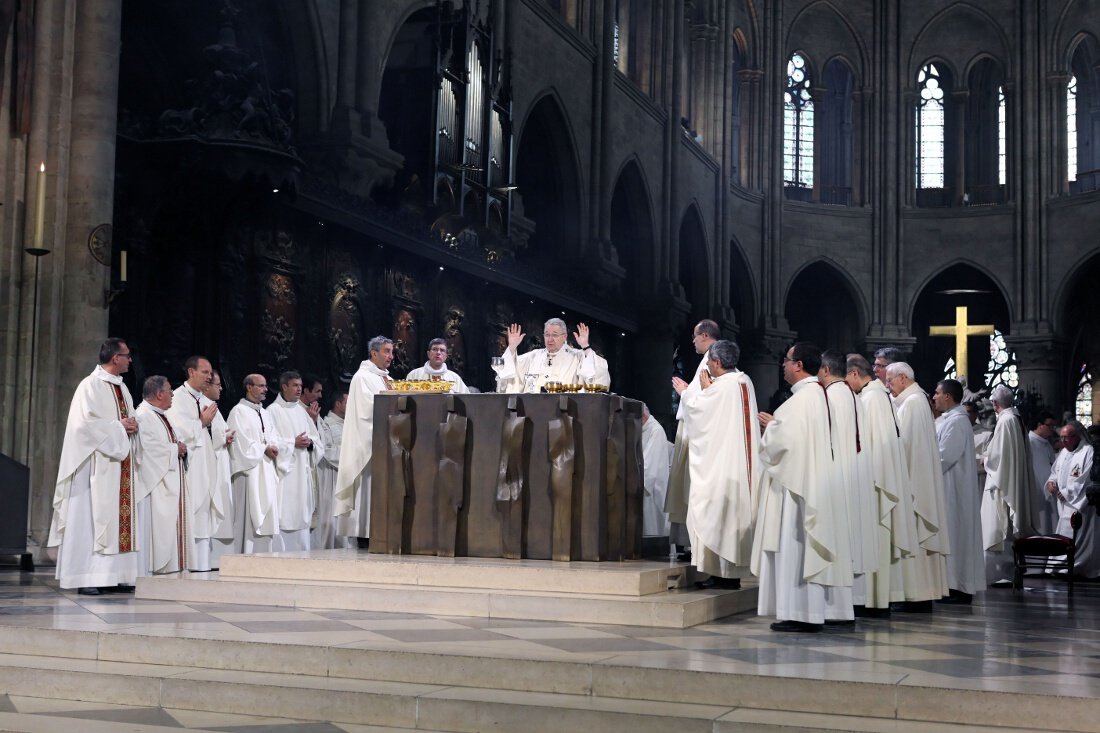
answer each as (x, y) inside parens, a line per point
(1036, 551)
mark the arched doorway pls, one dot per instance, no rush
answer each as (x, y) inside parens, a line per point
(632, 229)
(960, 285)
(1080, 323)
(823, 308)
(694, 272)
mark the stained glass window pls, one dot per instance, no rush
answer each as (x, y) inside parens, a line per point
(1002, 137)
(930, 129)
(1003, 367)
(798, 125)
(1084, 396)
(1071, 128)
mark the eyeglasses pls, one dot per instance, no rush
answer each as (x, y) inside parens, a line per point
(125, 356)
(789, 359)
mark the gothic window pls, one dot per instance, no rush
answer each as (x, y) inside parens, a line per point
(798, 126)
(633, 39)
(834, 132)
(1002, 137)
(1084, 397)
(984, 132)
(1071, 128)
(930, 128)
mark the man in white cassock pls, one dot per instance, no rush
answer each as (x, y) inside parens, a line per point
(703, 335)
(332, 434)
(962, 497)
(94, 523)
(435, 368)
(351, 497)
(192, 415)
(852, 464)
(298, 457)
(163, 478)
(892, 502)
(224, 539)
(1039, 440)
(923, 576)
(982, 436)
(252, 460)
(1069, 478)
(656, 460)
(1008, 499)
(724, 464)
(801, 546)
(558, 362)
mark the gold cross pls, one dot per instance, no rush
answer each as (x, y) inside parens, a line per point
(960, 331)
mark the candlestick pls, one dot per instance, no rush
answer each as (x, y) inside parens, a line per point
(40, 214)
(122, 269)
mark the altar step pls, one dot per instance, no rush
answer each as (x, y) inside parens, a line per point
(370, 691)
(638, 593)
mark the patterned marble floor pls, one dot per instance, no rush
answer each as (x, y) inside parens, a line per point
(1040, 641)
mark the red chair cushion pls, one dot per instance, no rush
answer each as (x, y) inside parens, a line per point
(1051, 544)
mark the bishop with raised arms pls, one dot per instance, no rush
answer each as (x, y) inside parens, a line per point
(558, 362)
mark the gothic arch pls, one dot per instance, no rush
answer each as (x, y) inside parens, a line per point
(549, 179)
(743, 298)
(982, 32)
(1077, 318)
(963, 262)
(1064, 293)
(632, 230)
(695, 262)
(1075, 21)
(985, 57)
(828, 22)
(824, 305)
(410, 9)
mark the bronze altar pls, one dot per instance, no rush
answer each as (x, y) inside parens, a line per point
(541, 476)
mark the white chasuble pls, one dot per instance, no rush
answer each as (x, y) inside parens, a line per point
(724, 466)
(801, 547)
(427, 374)
(161, 475)
(324, 537)
(1071, 474)
(202, 467)
(924, 574)
(530, 372)
(1046, 506)
(351, 498)
(224, 539)
(255, 474)
(962, 502)
(1008, 499)
(94, 514)
(679, 480)
(893, 501)
(296, 466)
(656, 462)
(851, 459)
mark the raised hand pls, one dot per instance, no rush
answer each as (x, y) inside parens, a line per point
(679, 385)
(705, 380)
(515, 336)
(581, 335)
(314, 411)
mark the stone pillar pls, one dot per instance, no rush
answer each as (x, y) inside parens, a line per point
(1059, 173)
(1040, 367)
(670, 265)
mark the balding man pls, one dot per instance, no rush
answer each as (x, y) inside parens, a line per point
(1008, 499)
(255, 477)
(1068, 483)
(924, 574)
(557, 362)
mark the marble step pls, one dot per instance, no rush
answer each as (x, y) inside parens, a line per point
(677, 609)
(166, 670)
(634, 578)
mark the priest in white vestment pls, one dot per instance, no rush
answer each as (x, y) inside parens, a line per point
(332, 434)
(299, 454)
(923, 576)
(252, 459)
(962, 497)
(435, 368)
(724, 465)
(1068, 481)
(801, 545)
(162, 476)
(892, 501)
(1009, 503)
(656, 462)
(852, 464)
(94, 522)
(1040, 441)
(558, 362)
(192, 413)
(224, 539)
(351, 498)
(982, 436)
(703, 335)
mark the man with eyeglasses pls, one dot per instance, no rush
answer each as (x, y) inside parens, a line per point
(95, 510)
(1040, 440)
(884, 357)
(557, 362)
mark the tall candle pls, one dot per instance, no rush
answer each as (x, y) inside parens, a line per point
(122, 268)
(40, 213)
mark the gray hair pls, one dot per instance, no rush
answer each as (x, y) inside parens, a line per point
(1081, 430)
(558, 323)
(859, 363)
(900, 367)
(834, 361)
(1002, 396)
(890, 353)
(153, 385)
(725, 353)
(376, 343)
